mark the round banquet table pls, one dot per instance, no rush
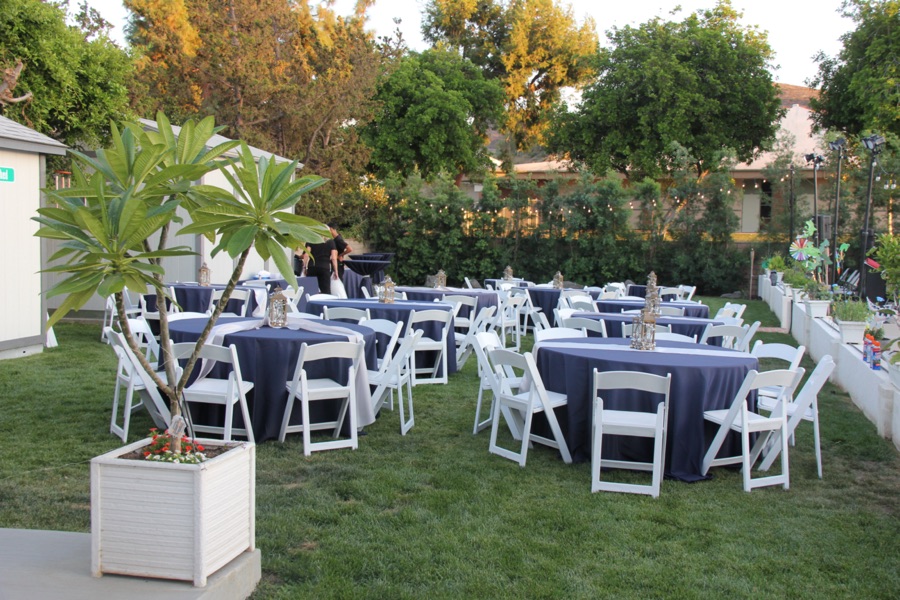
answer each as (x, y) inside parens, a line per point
(547, 298)
(485, 298)
(268, 358)
(399, 311)
(691, 309)
(701, 380)
(689, 326)
(195, 298)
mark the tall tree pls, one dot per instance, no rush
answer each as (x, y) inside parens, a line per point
(534, 47)
(860, 88)
(61, 80)
(435, 109)
(291, 77)
(702, 83)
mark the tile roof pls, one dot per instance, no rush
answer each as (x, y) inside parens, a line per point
(14, 136)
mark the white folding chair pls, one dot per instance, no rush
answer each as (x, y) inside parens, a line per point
(627, 327)
(725, 312)
(737, 308)
(784, 353)
(555, 333)
(675, 337)
(304, 389)
(111, 314)
(527, 311)
(561, 314)
(508, 319)
(395, 373)
(437, 373)
(242, 296)
(230, 392)
(294, 297)
(733, 336)
(540, 322)
(459, 301)
(153, 315)
(387, 335)
(583, 305)
(131, 375)
(687, 292)
(739, 418)
(804, 407)
(536, 399)
(670, 291)
(595, 325)
(631, 423)
(484, 342)
(466, 342)
(346, 313)
(671, 311)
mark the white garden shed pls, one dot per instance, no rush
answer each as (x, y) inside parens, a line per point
(23, 172)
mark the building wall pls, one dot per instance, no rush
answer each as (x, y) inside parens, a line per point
(21, 319)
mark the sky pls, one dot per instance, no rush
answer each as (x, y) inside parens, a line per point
(797, 29)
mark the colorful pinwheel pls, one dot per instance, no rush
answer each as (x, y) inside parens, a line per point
(800, 249)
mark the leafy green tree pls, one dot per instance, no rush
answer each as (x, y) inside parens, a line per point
(858, 88)
(534, 48)
(65, 82)
(702, 83)
(434, 112)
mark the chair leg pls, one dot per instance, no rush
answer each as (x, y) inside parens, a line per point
(304, 409)
(248, 425)
(596, 454)
(745, 456)
(287, 417)
(817, 439)
(785, 463)
(229, 419)
(406, 425)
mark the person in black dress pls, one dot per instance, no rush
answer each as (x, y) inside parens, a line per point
(323, 265)
(343, 248)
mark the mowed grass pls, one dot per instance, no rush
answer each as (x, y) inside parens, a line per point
(433, 514)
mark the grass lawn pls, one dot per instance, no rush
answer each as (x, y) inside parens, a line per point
(433, 514)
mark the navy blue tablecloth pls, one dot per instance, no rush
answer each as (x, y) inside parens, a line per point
(691, 309)
(271, 284)
(268, 358)
(485, 298)
(688, 326)
(195, 298)
(399, 312)
(641, 290)
(354, 283)
(699, 383)
(363, 266)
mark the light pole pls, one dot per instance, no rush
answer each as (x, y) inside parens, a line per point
(791, 206)
(836, 146)
(874, 144)
(816, 160)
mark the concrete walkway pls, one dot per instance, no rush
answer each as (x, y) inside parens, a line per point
(48, 565)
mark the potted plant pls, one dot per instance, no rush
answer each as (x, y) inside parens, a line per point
(817, 299)
(850, 316)
(776, 268)
(794, 280)
(120, 203)
(887, 253)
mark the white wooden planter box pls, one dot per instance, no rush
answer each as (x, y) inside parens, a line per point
(852, 332)
(172, 521)
(817, 308)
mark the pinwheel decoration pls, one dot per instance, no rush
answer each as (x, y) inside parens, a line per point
(800, 249)
(839, 257)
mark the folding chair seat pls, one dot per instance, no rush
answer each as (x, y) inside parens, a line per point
(242, 296)
(437, 372)
(393, 374)
(305, 390)
(739, 418)
(631, 423)
(230, 392)
(804, 407)
(536, 399)
(321, 297)
(344, 313)
(387, 335)
(555, 333)
(595, 325)
(670, 291)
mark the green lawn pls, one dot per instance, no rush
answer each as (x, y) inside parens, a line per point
(433, 514)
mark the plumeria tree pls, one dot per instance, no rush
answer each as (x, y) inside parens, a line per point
(114, 223)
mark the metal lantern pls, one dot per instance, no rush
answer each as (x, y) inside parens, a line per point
(648, 337)
(441, 278)
(203, 275)
(386, 291)
(278, 308)
(507, 273)
(558, 281)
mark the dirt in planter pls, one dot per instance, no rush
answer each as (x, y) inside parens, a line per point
(208, 451)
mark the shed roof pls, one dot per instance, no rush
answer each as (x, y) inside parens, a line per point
(221, 139)
(14, 136)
